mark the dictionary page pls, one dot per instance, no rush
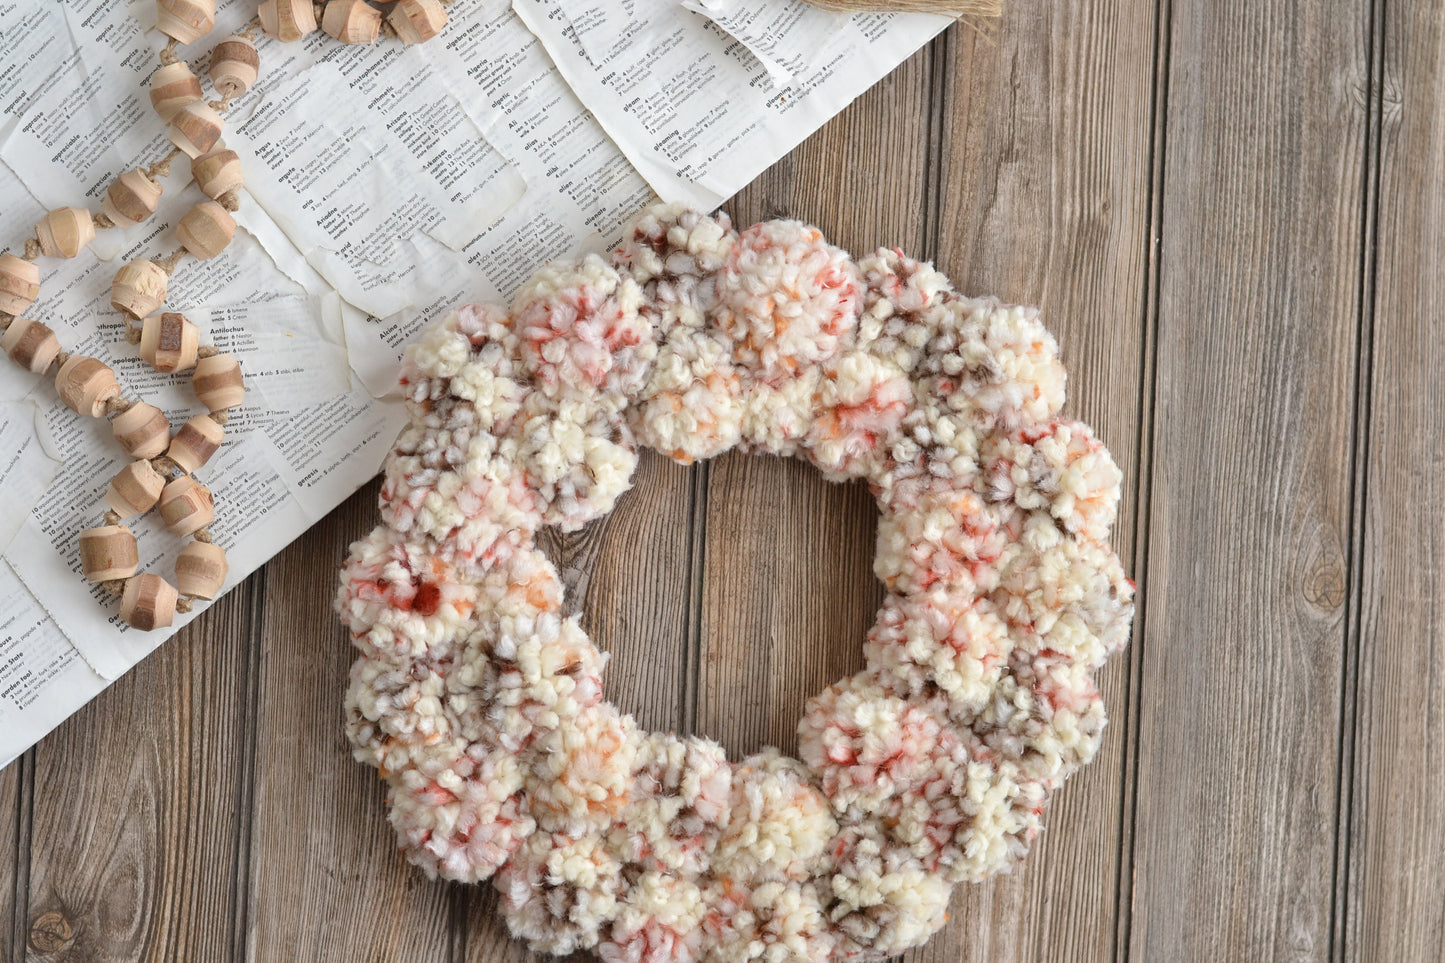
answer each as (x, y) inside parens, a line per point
(333, 270)
(385, 185)
(701, 111)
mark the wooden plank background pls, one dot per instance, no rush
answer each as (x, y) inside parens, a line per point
(1231, 215)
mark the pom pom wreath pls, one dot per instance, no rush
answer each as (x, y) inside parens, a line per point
(482, 706)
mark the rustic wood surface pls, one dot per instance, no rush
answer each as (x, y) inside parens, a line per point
(1231, 216)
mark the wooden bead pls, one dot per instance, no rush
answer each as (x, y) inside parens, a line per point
(65, 231)
(86, 385)
(235, 65)
(139, 288)
(169, 342)
(196, 442)
(206, 230)
(217, 172)
(31, 345)
(19, 283)
(135, 489)
(416, 21)
(148, 602)
(173, 86)
(196, 128)
(287, 20)
(131, 198)
(201, 570)
(185, 20)
(109, 552)
(186, 506)
(142, 430)
(351, 21)
(218, 383)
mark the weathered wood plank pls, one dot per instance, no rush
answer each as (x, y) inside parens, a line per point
(326, 881)
(137, 803)
(1242, 656)
(788, 589)
(1045, 175)
(1396, 834)
(14, 858)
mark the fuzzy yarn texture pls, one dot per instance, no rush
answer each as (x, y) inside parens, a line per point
(482, 706)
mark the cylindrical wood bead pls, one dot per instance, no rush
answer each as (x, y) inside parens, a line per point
(173, 86)
(185, 20)
(235, 65)
(217, 382)
(206, 230)
(31, 345)
(287, 20)
(196, 128)
(169, 342)
(65, 231)
(201, 570)
(19, 283)
(217, 172)
(86, 385)
(109, 552)
(186, 506)
(416, 21)
(131, 198)
(139, 288)
(196, 442)
(135, 489)
(142, 430)
(148, 602)
(351, 21)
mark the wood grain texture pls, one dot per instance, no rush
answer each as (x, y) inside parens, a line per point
(138, 801)
(1239, 724)
(1395, 839)
(14, 857)
(788, 591)
(326, 881)
(1231, 219)
(1045, 159)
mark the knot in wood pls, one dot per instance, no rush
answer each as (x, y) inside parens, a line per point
(1325, 586)
(51, 933)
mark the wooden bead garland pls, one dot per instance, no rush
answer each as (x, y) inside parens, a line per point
(31, 345)
(173, 86)
(148, 602)
(195, 443)
(352, 21)
(131, 198)
(169, 342)
(142, 430)
(417, 21)
(235, 65)
(108, 553)
(86, 385)
(136, 488)
(139, 288)
(160, 474)
(196, 128)
(19, 284)
(65, 231)
(205, 230)
(217, 173)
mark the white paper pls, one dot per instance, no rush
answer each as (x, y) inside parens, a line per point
(693, 108)
(784, 37)
(385, 185)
